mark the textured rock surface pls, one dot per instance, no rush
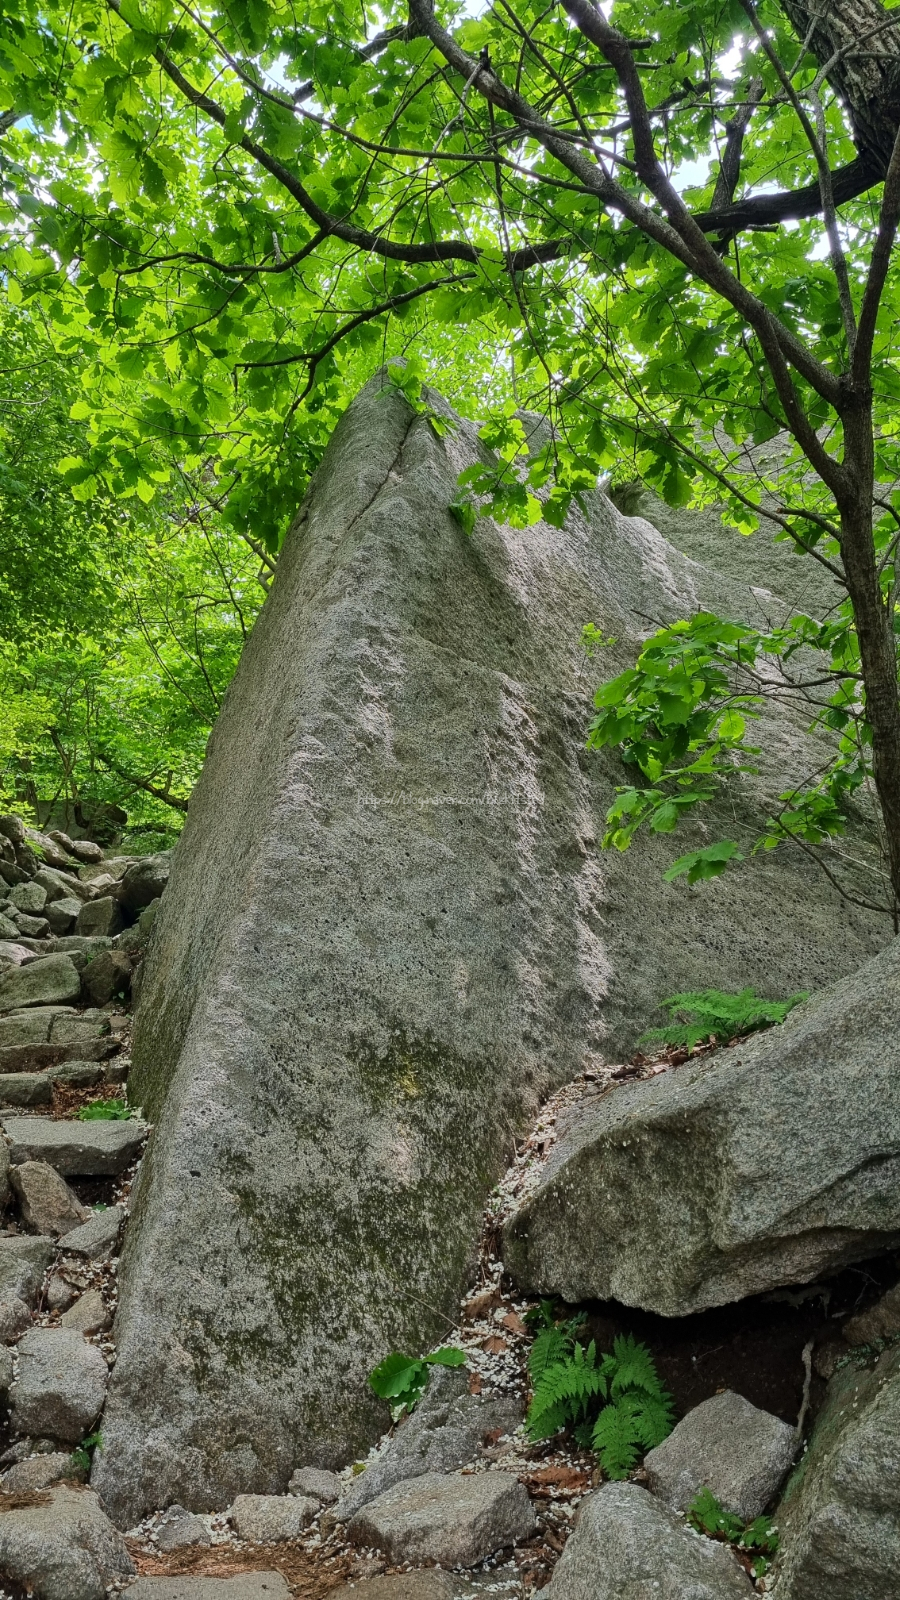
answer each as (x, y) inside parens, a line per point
(97, 1237)
(23, 1262)
(248, 1586)
(881, 1321)
(144, 881)
(269, 1518)
(180, 1529)
(387, 934)
(61, 1385)
(66, 1549)
(840, 1515)
(317, 1483)
(628, 1546)
(37, 1472)
(756, 1166)
(89, 1314)
(729, 1446)
(454, 1520)
(444, 1432)
(39, 983)
(428, 1584)
(46, 1201)
(77, 1149)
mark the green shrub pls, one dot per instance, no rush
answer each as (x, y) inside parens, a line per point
(615, 1404)
(404, 1379)
(760, 1535)
(104, 1111)
(710, 1014)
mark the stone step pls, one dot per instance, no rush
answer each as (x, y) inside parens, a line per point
(245, 1586)
(76, 1149)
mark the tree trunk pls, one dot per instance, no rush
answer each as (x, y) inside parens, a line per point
(874, 628)
(867, 77)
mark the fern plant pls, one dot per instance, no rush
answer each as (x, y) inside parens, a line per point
(759, 1537)
(615, 1404)
(712, 1014)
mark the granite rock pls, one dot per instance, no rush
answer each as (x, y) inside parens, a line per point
(456, 1520)
(47, 1202)
(40, 983)
(270, 1518)
(61, 1385)
(729, 1446)
(63, 1549)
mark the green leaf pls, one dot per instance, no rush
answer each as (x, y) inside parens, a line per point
(698, 865)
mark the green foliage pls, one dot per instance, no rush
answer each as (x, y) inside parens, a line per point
(759, 1537)
(403, 1379)
(104, 1111)
(712, 1014)
(615, 1404)
(83, 1454)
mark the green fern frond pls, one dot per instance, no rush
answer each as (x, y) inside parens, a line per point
(655, 1419)
(549, 1349)
(711, 1013)
(564, 1392)
(616, 1437)
(634, 1368)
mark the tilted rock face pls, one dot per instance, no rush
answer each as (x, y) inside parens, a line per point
(388, 932)
(762, 1164)
(840, 1517)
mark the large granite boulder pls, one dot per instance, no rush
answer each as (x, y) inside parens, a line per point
(387, 933)
(840, 1517)
(762, 1164)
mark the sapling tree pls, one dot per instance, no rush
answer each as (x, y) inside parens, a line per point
(669, 227)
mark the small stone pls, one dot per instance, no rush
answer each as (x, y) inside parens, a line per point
(30, 897)
(318, 1484)
(726, 1445)
(15, 1317)
(97, 1238)
(89, 1314)
(881, 1321)
(39, 983)
(12, 828)
(49, 852)
(180, 1529)
(60, 1293)
(108, 975)
(23, 1262)
(270, 1518)
(6, 1371)
(454, 1520)
(66, 1549)
(244, 1586)
(103, 916)
(47, 1202)
(77, 1074)
(8, 929)
(62, 885)
(24, 1089)
(144, 881)
(627, 1545)
(31, 927)
(62, 915)
(60, 1387)
(77, 1149)
(38, 1472)
(85, 850)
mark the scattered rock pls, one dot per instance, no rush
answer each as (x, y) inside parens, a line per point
(427, 1584)
(60, 1293)
(319, 1485)
(839, 1518)
(444, 1432)
(245, 1586)
(89, 1314)
(144, 881)
(881, 1321)
(5, 1165)
(97, 1238)
(81, 849)
(765, 1164)
(23, 1262)
(87, 1032)
(6, 1371)
(729, 1446)
(38, 1472)
(65, 1548)
(627, 1545)
(454, 1520)
(31, 927)
(77, 1074)
(30, 897)
(15, 1317)
(61, 1385)
(50, 852)
(269, 1518)
(47, 1202)
(180, 1529)
(77, 1149)
(107, 975)
(12, 953)
(62, 885)
(12, 828)
(8, 929)
(62, 915)
(24, 1089)
(39, 983)
(101, 917)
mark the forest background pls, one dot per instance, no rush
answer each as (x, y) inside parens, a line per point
(668, 229)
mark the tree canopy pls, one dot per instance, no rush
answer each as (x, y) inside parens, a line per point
(669, 228)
